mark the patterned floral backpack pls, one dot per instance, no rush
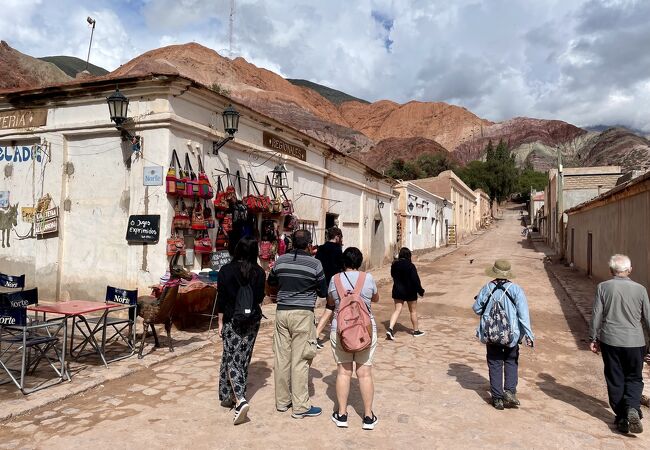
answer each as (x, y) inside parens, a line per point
(496, 326)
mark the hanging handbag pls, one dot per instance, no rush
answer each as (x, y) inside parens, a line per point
(173, 184)
(267, 250)
(287, 207)
(207, 215)
(205, 188)
(239, 212)
(181, 216)
(191, 183)
(203, 244)
(175, 243)
(231, 193)
(226, 223)
(290, 222)
(221, 240)
(221, 200)
(198, 221)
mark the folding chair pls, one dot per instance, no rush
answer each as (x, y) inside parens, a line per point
(116, 325)
(12, 281)
(18, 339)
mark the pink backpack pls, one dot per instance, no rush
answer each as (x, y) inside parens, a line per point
(354, 327)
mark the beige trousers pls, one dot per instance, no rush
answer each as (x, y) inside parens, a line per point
(294, 345)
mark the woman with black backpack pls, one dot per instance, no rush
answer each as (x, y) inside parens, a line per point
(239, 296)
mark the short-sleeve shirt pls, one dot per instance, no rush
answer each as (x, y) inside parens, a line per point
(367, 292)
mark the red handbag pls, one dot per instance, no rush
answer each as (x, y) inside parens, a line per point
(205, 188)
(203, 244)
(181, 217)
(221, 240)
(191, 183)
(175, 243)
(267, 250)
(287, 207)
(226, 223)
(207, 215)
(198, 221)
(221, 200)
(173, 184)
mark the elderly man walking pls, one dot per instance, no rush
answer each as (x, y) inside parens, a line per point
(620, 307)
(300, 279)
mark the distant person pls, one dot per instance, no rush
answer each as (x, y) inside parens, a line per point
(238, 323)
(351, 279)
(330, 254)
(620, 308)
(406, 288)
(504, 324)
(300, 279)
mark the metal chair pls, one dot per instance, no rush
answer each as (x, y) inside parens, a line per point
(18, 338)
(117, 325)
(12, 281)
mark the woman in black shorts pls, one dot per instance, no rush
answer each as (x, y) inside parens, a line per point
(406, 288)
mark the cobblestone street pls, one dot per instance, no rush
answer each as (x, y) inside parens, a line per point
(431, 392)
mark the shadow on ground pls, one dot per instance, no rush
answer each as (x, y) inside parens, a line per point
(470, 380)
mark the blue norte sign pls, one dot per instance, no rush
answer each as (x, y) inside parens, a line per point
(21, 154)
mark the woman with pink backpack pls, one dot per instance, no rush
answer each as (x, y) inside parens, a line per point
(353, 334)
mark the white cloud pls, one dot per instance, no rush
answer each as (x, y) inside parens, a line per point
(583, 61)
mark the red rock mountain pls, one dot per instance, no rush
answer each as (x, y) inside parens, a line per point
(375, 133)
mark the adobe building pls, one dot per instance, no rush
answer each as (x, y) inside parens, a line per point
(73, 183)
(485, 212)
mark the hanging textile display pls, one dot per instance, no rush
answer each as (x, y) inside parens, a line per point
(173, 183)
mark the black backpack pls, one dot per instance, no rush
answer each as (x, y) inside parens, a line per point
(246, 311)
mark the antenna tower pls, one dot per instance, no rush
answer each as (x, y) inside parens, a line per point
(231, 26)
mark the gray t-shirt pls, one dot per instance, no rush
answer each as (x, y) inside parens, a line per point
(367, 292)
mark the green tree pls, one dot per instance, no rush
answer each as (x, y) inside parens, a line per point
(402, 170)
(530, 179)
(501, 172)
(433, 164)
(475, 175)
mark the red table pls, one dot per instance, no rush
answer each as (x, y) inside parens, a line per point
(76, 309)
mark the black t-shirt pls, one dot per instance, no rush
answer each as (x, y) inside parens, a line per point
(330, 255)
(230, 279)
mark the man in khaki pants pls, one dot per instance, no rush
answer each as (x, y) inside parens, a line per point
(300, 280)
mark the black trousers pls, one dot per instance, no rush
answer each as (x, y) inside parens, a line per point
(623, 373)
(503, 362)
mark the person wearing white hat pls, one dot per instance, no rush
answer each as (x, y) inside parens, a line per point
(504, 324)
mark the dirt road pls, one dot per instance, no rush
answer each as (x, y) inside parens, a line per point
(431, 392)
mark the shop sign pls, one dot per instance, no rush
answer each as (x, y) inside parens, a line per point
(153, 176)
(219, 259)
(143, 229)
(4, 199)
(47, 222)
(27, 213)
(21, 154)
(274, 142)
(22, 118)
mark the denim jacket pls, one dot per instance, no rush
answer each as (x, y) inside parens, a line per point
(516, 311)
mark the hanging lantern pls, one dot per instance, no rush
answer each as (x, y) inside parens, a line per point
(279, 177)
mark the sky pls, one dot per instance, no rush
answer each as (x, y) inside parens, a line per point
(583, 61)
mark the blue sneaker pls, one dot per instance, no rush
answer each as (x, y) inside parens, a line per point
(311, 412)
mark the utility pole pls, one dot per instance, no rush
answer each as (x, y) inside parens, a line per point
(231, 26)
(90, 21)
(560, 202)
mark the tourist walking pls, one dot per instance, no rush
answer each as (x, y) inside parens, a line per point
(330, 254)
(620, 308)
(300, 280)
(504, 324)
(240, 294)
(352, 344)
(406, 288)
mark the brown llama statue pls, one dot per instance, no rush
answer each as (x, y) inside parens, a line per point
(155, 311)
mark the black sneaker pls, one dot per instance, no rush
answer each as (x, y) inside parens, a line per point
(320, 344)
(418, 333)
(497, 403)
(622, 425)
(389, 334)
(510, 399)
(634, 420)
(341, 420)
(369, 423)
(241, 412)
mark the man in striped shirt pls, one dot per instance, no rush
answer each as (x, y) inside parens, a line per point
(300, 280)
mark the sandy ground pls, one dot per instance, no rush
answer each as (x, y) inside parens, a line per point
(431, 392)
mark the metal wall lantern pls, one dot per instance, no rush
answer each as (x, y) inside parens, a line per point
(118, 108)
(230, 125)
(380, 203)
(411, 206)
(279, 178)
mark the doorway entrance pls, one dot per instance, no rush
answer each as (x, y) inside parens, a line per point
(331, 220)
(589, 254)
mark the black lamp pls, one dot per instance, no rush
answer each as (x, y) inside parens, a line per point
(230, 126)
(380, 203)
(411, 206)
(118, 108)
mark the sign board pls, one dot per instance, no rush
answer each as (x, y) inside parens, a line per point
(4, 199)
(47, 222)
(22, 118)
(274, 142)
(219, 259)
(153, 176)
(143, 229)
(27, 213)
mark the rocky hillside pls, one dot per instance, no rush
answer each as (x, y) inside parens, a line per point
(375, 133)
(23, 71)
(72, 65)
